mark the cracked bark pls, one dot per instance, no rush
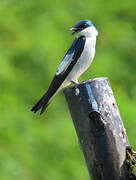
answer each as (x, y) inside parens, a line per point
(99, 128)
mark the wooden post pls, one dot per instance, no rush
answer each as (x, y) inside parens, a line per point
(99, 128)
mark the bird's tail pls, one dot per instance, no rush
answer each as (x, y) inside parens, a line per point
(43, 102)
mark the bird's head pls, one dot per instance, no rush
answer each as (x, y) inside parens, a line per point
(84, 28)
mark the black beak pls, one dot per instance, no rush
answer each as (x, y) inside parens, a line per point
(75, 30)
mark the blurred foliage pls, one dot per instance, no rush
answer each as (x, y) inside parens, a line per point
(34, 36)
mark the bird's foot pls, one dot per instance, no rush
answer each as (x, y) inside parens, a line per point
(75, 83)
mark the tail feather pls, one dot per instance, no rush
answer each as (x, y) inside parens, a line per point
(45, 100)
(44, 107)
(42, 103)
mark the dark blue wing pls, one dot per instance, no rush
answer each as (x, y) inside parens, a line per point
(68, 57)
(67, 63)
(76, 50)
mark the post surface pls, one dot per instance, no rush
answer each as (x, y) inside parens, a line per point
(99, 128)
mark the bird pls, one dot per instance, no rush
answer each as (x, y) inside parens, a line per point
(75, 62)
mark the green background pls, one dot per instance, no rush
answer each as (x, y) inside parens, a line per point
(34, 36)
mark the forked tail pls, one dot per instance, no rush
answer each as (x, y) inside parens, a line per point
(42, 103)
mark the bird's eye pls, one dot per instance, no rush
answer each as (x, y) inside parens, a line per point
(85, 25)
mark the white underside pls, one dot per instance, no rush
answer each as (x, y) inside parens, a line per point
(83, 62)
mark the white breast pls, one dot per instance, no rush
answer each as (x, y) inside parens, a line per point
(85, 59)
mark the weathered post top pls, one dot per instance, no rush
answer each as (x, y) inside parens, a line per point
(99, 127)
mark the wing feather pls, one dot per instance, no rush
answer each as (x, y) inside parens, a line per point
(64, 69)
(72, 55)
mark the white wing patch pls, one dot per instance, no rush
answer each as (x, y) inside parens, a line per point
(64, 63)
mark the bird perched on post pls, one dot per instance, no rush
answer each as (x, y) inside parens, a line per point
(76, 61)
